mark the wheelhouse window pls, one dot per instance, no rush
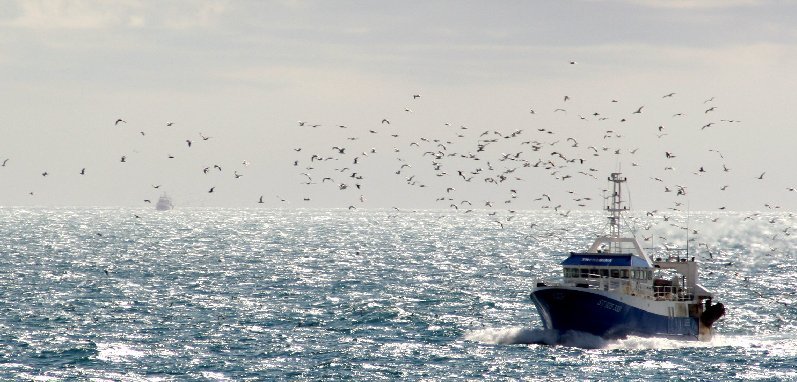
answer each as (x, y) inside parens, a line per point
(640, 274)
(615, 273)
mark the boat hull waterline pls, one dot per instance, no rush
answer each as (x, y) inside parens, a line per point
(590, 311)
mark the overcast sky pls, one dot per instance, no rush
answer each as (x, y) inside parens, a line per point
(244, 73)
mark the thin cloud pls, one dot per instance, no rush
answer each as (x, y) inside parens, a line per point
(695, 4)
(61, 14)
(97, 14)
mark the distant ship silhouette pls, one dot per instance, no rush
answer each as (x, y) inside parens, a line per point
(164, 203)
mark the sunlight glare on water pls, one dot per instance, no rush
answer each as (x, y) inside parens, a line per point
(231, 294)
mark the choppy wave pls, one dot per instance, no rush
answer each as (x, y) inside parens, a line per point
(217, 294)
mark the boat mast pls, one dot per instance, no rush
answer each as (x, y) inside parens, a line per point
(615, 208)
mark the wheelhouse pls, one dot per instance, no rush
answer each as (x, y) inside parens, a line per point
(615, 266)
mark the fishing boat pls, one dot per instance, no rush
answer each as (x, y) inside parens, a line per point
(614, 290)
(164, 203)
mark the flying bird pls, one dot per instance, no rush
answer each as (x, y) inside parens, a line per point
(119, 121)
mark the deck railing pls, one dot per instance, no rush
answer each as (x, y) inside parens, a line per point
(629, 287)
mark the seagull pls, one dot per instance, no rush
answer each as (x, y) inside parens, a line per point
(5, 161)
(384, 120)
(638, 111)
(169, 123)
(189, 142)
(211, 189)
(261, 199)
(83, 171)
(119, 120)
(762, 175)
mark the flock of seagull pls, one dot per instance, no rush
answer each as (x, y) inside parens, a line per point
(120, 124)
(498, 172)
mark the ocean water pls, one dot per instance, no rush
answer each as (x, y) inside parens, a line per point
(283, 295)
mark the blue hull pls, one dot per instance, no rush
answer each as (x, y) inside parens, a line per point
(564, 309)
